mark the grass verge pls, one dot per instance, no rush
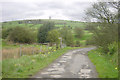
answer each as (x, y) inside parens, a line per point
(103, 65)
(27, 66)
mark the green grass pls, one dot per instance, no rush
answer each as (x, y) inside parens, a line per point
(3, 43)
(0, 70)
(29, 65)
(103, 65)
(68, 23)
(83, 39)
(58, 23)
(6, 44)
(0, 77)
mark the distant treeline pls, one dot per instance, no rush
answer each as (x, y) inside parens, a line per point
(38, 21)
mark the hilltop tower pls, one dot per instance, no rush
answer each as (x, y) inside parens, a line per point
(49, 17)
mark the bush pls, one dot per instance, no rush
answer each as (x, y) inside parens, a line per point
(113, 53)
(104, 34)
(53, 37)
(21, 35)
(113, 48)
(69, 39)
(88, 42)
(77, 44)
(67, 36)
(6, 32)
(43, 31)
(79, 32)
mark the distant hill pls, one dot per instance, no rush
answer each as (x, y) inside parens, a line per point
(36, 23)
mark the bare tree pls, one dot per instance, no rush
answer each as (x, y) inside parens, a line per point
(116, 5)
(103, 11)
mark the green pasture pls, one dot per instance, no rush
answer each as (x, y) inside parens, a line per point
(27, 66)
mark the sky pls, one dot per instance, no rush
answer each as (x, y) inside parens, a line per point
(42, 9)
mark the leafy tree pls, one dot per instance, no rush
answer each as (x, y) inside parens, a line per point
(67, 36)
(21, 35)
(79, 32)
(43, 30)
(6, 32)
(105, 30)
(53, 37)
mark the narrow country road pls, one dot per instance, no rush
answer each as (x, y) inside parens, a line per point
(73, 64)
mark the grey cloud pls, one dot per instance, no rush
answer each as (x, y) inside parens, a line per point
(15, 10)
(51, 5)
(78, 11)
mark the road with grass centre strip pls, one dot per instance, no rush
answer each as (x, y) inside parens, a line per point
(73, 64)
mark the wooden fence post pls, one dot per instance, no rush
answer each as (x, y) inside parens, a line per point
(32, 50)
(20, 50)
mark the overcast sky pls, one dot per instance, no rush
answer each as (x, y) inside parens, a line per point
(42, 9)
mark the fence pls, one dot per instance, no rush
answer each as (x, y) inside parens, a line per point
(22, 50)
(18, 52)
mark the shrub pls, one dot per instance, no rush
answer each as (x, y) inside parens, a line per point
(90, 41)
(104, 34)
(113, 48)
(69, 39)
(53, 37)
(77, 43)
(6, 32)
(67, 36)
(43, 30)
(113, 53)
(21, 35)
(79, 32)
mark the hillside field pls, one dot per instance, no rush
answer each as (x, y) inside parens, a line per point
(34, 25)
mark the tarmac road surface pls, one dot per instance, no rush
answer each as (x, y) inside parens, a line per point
(73, 64)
